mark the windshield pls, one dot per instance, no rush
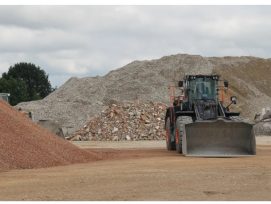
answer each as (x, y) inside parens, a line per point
(202, 88)
(5, 97)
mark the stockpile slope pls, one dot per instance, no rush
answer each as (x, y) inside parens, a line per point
(78, 100)
(250, 82)
(24, 144)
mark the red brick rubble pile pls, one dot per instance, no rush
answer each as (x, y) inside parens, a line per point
(142, 120)
(24, 144)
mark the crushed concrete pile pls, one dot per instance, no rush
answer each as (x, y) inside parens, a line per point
(142, 120)
(80, 99)
(25, 145)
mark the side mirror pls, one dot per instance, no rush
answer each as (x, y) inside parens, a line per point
(226, 84)
(233, 99)
(180, 84)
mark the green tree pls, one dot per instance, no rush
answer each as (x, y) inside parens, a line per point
(36, 79)
(17, 88)
(36, 96)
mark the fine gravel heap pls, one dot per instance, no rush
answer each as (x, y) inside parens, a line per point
(25, 145)
(79, 99)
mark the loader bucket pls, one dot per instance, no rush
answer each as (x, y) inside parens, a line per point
(220, 138)
(52, 126)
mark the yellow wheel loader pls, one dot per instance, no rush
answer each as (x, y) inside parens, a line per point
(198, 123)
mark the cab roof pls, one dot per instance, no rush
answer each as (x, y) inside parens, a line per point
(188, 77)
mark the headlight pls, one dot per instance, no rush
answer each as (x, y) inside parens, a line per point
(233, 98)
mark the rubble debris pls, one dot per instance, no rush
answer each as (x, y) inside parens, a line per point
(141, 120)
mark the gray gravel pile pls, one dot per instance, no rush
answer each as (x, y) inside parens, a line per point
(80, 99)
(142, 120)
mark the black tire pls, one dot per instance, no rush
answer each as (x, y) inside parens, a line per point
(180, 131)
(170, 136)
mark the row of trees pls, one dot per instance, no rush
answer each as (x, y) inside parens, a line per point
(25, 82)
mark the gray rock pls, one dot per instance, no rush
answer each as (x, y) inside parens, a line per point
(77, 138)
(138, 114)
(266, 128)
(115, 130)
(267, 120)
(267, 114)
(89, 138)
(143, 135)
(115, 138)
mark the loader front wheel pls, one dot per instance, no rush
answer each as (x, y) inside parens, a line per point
(169, 136)
(180, 131)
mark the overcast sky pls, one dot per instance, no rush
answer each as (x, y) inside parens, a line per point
(82, 41)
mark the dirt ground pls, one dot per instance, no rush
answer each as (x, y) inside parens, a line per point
(145, 171)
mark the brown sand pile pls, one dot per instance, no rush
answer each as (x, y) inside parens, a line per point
(24, 144)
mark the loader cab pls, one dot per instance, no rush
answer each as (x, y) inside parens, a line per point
(201, 87)
(5, 96)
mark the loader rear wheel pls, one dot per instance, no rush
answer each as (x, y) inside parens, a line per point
(180, 131)
(169, 136)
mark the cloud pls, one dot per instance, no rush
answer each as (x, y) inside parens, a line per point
(81, 41)
(3, 66)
